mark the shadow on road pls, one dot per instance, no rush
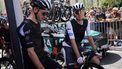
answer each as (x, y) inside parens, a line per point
(110, 58)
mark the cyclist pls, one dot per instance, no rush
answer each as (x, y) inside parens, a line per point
(75, 31)
(31, 40)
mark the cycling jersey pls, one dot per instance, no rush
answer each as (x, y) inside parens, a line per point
(30, 36)
(76, 31)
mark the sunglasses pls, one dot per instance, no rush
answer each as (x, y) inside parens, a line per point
(45, 13)
(79, 12)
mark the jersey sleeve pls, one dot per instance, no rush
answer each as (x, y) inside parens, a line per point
(27, 32)
(70, 30)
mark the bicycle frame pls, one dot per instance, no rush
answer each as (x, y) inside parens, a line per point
(87, 63)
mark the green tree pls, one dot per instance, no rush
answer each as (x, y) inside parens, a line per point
(2, 6)
(111, 3)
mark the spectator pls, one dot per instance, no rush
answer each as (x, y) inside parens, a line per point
(120, 12)
(100, 15)
(91, 16)
(108, 14)
(115, 13)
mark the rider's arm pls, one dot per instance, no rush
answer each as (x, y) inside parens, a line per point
(72, 38)
(75, 48)
(34, 58)
(90, 39)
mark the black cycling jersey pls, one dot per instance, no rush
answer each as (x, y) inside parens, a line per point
(78, 30)
(30, 36)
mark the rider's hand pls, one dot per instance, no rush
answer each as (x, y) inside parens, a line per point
(95, 48)
(80, 60)
(98, 54)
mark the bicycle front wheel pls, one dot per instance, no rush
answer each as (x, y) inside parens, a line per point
(91, 66)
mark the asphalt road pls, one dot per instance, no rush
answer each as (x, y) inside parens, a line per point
(113, 59)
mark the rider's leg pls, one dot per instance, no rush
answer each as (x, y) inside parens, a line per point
(95, 59)
(49, 63)
(68, 57)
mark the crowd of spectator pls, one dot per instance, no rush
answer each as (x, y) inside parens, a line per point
(106, 20)
(104, 14)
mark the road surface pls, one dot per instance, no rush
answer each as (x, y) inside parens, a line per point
(113, 59)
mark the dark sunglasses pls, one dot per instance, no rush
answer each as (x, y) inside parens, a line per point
(78, 11)
(45, 13)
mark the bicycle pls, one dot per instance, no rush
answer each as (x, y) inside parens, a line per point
(86, 64)
(54, 48)
(26, 9)
(59, 12)
(58, 56)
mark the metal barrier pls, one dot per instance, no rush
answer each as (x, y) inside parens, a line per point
(111, 30)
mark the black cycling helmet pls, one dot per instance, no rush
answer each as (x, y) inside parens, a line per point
(78, 6)
(42, 4)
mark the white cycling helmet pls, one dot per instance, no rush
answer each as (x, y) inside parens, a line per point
(42, 4)
(78, 6)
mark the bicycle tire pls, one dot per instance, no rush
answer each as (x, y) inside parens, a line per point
(6, 63)
(57, 15)
(91, 66)
(67, 14)
(50, 15)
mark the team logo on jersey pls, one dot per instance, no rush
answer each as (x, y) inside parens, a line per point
(27, 32)
(68, 28)
(70, 34)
